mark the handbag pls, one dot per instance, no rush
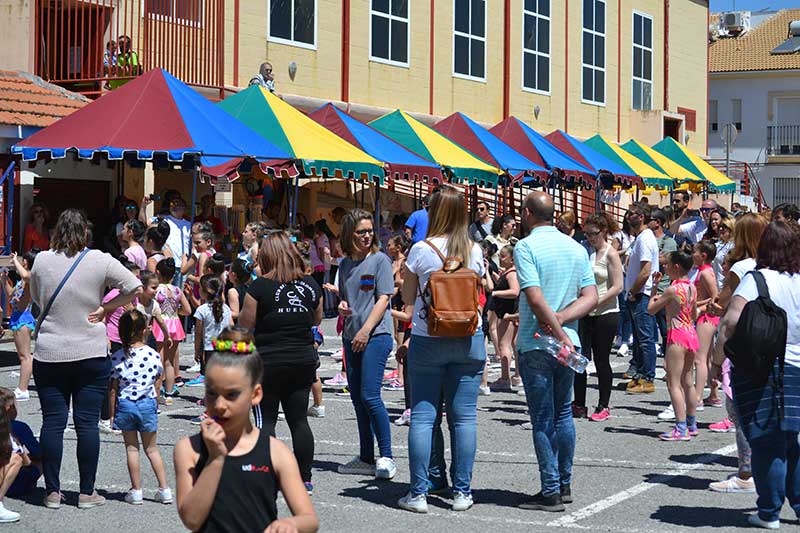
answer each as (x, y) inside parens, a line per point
(60, 286)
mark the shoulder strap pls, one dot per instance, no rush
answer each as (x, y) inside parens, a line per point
(761, 283)
(438, 252)
(481, 230)
(47, 307)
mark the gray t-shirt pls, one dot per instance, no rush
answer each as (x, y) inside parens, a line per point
(360, 285)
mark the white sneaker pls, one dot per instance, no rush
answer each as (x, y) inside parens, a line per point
(667, 414)
(385, 468)
(357, 467)
(194, 369)
(734, 484)
(163, 496)
(22, 395)
(462, 502)
(134, 497)
(316, 411)
(521, 392)
(105, 427)
(623, 350)
(7, 516)
(484, 391)
(415, 504)
(700, 407)
(404, 419)
(754, 520)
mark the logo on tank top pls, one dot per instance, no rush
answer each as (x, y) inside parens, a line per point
(255, 468)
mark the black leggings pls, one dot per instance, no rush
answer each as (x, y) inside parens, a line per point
(289, 386)
(597, 334)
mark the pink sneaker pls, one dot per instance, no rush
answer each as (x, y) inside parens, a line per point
(338, 381)
(712, 402)
(389, 376)
(725, 426)
(600, 416)
(674, 435)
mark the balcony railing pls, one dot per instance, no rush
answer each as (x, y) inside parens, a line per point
(783, 140)
(91, 46)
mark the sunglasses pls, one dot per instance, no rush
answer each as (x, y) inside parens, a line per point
(481, 209)
(363, 232)
(592, 233)
(705, 209)
(130, 207)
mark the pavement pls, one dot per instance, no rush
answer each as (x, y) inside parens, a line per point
(625, 479)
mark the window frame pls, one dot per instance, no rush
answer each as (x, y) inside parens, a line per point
(292, 42)
(713, 126)
(469, 36)
(604, 35)
(740, 124)
(176, 20)
(537, 53)
(391, 17)
(644, 49)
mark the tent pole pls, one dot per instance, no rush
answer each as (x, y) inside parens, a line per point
(378, 205)
(194, 190)
(296, 199)
(496, 202)
(10, 215)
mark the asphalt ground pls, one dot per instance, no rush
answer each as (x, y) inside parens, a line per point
(625, 479)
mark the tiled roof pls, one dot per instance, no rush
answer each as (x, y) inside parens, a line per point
(27, 100)
(751, 51)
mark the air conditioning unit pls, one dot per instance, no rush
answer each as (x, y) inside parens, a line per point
(735, 22)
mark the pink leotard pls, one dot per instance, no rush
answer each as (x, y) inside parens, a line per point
(680, 328)
(705, 317)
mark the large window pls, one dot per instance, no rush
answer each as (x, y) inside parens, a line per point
(642, 62)
(593, 63)
(389, 31)
(536, 45)
(293, 22)
(736, 113)
(469, 39)
(185, 10)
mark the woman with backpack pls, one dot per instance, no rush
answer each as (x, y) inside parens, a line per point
(768, 408)
(443, 366)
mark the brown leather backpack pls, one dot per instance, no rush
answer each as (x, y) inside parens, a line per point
(451, 298)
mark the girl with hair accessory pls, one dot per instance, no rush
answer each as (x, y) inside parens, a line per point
(228, 475)
(680, 301)
(210, 319)
(173, 304)
(135, 370)
(133, 235)
(22, 322)
(239, 276)
(706, 283)
(155, 239)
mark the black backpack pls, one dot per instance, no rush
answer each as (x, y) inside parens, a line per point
(760, 336)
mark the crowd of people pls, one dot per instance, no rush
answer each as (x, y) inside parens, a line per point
(669, 281)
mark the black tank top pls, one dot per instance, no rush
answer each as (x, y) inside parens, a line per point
(248, 488)
(504, 306)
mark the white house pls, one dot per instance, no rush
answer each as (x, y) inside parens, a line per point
(757, 88)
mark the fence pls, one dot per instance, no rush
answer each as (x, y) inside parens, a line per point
(89, 46)
(783, 140)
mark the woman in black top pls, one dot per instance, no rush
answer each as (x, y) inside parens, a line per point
(282, 305)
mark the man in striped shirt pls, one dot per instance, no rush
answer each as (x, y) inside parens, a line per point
(558, 288)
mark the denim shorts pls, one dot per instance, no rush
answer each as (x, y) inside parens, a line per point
(140, 415)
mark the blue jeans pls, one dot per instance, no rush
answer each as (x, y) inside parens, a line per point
(437, 469)
(548, 388)
(644, 338)
(365, 378)
(84, 384)
(625, 327)
(776, 472)
(447, 366)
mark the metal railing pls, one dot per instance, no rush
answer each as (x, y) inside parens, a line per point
(783, 140)
(745, 178)
(92, 46)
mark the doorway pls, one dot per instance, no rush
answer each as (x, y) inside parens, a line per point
(92, 196)
(672, 128)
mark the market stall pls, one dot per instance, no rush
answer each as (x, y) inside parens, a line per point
(716, 180)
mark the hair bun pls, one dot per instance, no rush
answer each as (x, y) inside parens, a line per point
(163, 228)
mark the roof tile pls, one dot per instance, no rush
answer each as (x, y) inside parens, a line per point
(27, 100)
(751, 51)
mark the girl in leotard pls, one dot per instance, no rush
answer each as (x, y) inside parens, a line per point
(706, 284)
(228, 475)
(173, 303)
(680, 301)
(22, 322)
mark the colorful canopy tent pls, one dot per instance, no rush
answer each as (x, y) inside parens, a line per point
(606, 169)
(154, 117)
(661, 162)
(532, 145)
(320, 151)
(694, 163)
(473, 137)
(650, 175)
(430, 144)
(400, 162)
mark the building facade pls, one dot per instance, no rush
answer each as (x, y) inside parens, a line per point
(623, 68)
(758, 92)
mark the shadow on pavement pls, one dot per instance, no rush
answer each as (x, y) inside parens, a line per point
(715, 517)
(679, 482)
(644, 432)
(379, 492)
(722, 460)
(499, 497)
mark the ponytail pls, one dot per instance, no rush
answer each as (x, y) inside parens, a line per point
(132, 325)
(212, 286)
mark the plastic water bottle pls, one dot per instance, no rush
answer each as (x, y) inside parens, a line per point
(563, 354)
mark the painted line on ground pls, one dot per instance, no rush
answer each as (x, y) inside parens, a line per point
(571, 519)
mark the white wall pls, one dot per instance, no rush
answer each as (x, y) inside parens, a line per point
(757, 93)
